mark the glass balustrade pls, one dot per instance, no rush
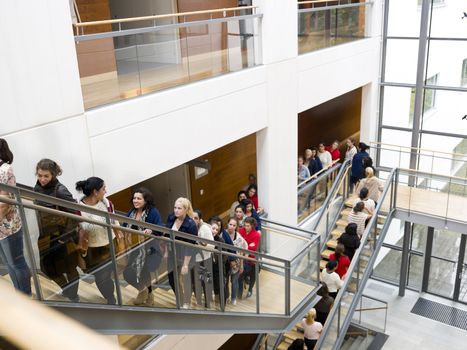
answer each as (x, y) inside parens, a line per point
(323, 24)
(136, 60)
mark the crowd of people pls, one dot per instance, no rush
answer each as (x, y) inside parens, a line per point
(66, 244)
(316, 159)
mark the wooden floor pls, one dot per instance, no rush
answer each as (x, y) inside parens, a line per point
(271, 286)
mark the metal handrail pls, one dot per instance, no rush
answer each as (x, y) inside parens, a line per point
(320, 174)
(417, 149)
(330, 7)
(169, 15)
(366, 275)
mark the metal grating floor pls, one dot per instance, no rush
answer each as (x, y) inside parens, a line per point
(441, 313)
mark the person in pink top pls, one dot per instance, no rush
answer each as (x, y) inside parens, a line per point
(343, 261)
(252, 238)
(311, 329)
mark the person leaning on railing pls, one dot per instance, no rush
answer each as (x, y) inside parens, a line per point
(58, 235)
(11, 233)
(252, 238)
(94, 239)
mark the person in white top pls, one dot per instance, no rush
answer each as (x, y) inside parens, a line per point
(94, 238)
(331, 278)
(324, 156)
(312, 329)
(351, 149)
(368, 202)
(202, 271)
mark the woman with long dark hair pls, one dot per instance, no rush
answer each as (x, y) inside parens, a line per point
(147, 258)
(58, 234)
(96, 245)
(11, 233)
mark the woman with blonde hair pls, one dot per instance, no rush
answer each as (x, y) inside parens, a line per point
(372, 183)
(181, 220)
(312, 329)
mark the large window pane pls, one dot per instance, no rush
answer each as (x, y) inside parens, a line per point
(392, 158)
(442, 277)
(447, 57)
(401, 68)
(404, 18)
(415, 271)
(418, 237)
(446, 19)
(444, 163)
(446, 244)
(398, 106)
(446, 113)
(395, 233)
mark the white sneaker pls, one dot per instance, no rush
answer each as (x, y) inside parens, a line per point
(186, 306)
(234, 302)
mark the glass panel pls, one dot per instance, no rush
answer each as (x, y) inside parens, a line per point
(404, 18)
(419, 233)
(401, 68)
(373, 313)
(446, 244)
(445, 12)
(162, 60)
(447, 58)
(398, 107)
(327, 28)
(463, 282)
(415, 271)
(442, 277)
(445, 112)
(387, 265)
(444, 163)
(392, 158)
(271, 287)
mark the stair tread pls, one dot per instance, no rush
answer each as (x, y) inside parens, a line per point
(326, 253)
(332, 243)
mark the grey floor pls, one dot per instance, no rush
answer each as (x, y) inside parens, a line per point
(410, 331)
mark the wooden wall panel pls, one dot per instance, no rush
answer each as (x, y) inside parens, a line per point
(230, 167)
(335, 119)
(95, 56)
(122, 200)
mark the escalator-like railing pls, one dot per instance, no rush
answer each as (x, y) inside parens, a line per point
(286, 272)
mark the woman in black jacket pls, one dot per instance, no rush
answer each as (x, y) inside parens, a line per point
(180, 220)
(350, 240)
(58, 234)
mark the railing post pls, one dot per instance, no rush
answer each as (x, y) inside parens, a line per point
(221, 281)
(175, 269)
(257, 284)
(405, 259)
(113, 258)
(27, 240)
(287, 288)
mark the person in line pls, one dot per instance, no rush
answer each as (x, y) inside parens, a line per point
(363, 196)
(147, 258)
(351, 149)
(333, 149)
(297, 344)
(251, 181)
(235, 264)
(343, 261)
(240, 215)
(331, 278)
(350, 240)
(181, 220)
(240, 196)
(312, 329)
(374, 185)
(357, 163)
(324, 156)
(252, 238)
(358, 217)
(324, 305)
(218, 260)
(58, 234)
(11, 233)
(252, 193)
(202, 272)
(302, 172)
(307, 157)
(251, 212)
(96, 244)
(314, 164)
(368, 163)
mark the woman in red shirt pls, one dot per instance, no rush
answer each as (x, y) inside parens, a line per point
(334, 150)
(343, 261)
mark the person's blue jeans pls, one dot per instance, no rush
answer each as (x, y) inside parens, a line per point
(234, 280)
(11, 253)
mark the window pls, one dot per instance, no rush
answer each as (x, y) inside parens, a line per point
(464, 72)
(434, 2)
(430, 96)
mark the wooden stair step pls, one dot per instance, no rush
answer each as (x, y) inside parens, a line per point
(322, 264)
(332, 243)
(336, 233)
(342, 223)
